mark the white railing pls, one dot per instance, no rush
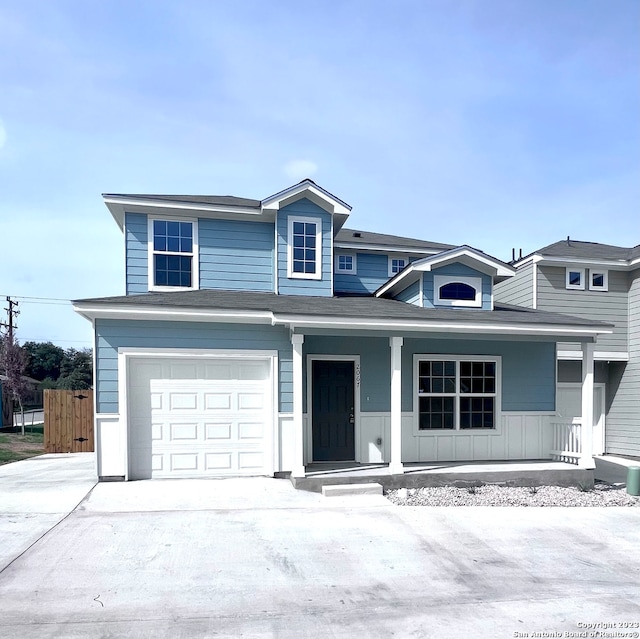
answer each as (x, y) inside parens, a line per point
(567, 442)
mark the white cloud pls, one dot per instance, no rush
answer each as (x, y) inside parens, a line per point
(3, 134)
(300, 169)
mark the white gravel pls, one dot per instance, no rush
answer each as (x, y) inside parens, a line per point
(603, 494)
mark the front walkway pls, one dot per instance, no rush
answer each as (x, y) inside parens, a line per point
(417, 475)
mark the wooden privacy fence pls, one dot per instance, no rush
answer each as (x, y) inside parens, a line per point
(68, 421)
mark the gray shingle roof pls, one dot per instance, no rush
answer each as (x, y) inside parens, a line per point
(347, 307)
(208, 200)
(353, 236)
(588, 250)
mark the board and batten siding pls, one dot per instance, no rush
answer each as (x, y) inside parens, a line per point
(606, 306)
(453, 270)
(236, 255)
(136, 253)
(622, 432)
(300, 286)
(114, 334)
(517, 290)
(528, 368)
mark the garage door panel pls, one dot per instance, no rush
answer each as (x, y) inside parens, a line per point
(204, 418)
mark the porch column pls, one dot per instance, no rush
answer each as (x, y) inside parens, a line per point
(395, 466)
(586, 458)
(298, 424)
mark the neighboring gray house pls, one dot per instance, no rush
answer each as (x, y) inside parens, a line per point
(259, 336)
(599, 282)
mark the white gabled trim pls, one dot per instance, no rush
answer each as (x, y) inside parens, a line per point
(194, 255)
(608, 356)
(317, 221)
(462, 254)
(311, 191)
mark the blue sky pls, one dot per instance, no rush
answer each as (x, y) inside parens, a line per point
(494, 123)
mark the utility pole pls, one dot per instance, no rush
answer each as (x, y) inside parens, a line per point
(12, 313)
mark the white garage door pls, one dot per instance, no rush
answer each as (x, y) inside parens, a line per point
(200, 417)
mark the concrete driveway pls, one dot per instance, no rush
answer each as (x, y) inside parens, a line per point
(254, 558)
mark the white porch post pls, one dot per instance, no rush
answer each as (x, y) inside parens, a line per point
(298, 424)
(586, 458)
(395, 466)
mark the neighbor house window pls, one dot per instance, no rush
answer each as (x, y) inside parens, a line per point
(598, 280)
(346, 263)
(575, 278)
(457, 392)
(305, 248)
(452, 290)
(396, 264)
(173, 250)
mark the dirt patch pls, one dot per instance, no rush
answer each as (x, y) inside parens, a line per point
(14, 447)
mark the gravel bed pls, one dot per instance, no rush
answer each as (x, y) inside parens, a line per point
(603, 494)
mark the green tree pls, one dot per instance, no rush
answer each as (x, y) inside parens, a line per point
(77, 370)
(44, 359)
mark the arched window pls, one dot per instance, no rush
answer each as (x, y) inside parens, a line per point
(457, 291)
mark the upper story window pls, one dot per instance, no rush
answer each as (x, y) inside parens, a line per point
(451, 290)
(575, 278)
(396, 264)
(598, 280)
(173, 254)
(305, 248)
(345, 263)
(457, 392)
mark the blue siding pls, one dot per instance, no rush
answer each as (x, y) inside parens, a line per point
(528, 368)
(136, 253)
(236, 255)
(295, 286)
(372, 273)
(113, 334)
(411, 294)
(464, 271)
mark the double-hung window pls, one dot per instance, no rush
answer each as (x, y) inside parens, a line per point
(345, 263)
(305, 248)
(173, 254)
(457, 392)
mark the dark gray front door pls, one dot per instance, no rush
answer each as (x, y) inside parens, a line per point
(333, 411)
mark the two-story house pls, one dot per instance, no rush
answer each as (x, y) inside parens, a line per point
(258, 336)
(599, 282)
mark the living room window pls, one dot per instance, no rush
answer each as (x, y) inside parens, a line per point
(457, 393)
(172, 251)
(305, 248)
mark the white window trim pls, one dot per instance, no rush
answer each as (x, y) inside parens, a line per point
(195, 254)
(575, 287)
(396, 257)
(456, 430)
(605, 285)
(354, 267)
(317, 275)
(442, 280)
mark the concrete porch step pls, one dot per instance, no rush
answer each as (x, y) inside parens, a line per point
(340, 490)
